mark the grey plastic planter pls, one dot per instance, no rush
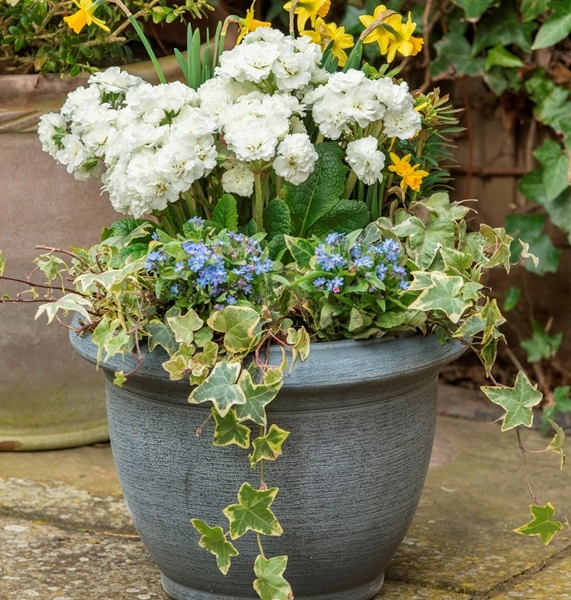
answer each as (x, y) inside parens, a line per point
(361, 416)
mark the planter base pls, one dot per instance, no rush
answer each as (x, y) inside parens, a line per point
(362, 592)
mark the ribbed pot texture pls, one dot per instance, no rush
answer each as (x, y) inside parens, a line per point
(361, 416)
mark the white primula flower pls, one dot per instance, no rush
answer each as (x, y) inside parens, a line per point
(114, 80)
(80, 101)
(216, 94)
(366, 160)
(252, 142)
(238, 180)
(48, 127)
(292, 71)
(330, 115)
(345, 82)
(392, 95)
(251, 62)
(403, 124)
(295, 158)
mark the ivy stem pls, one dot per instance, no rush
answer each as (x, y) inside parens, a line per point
(260, 547)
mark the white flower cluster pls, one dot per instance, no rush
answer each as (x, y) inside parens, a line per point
(149, 144)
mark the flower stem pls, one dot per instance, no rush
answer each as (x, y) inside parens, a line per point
(258, 201)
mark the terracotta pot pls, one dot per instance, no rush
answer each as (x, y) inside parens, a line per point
(48, 397)
(361, 416)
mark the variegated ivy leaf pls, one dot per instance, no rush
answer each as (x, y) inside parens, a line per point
(493, 318)
(497, 246)
(2, 264)
(68, 303)
(444, 294)
(542, 523)
(425, 239)
(299, 340)
(517, 401)
(258, 395)
(111, 280)
(440, 204)
(269, 446)
(228, 431)
(252, 513)
(161, 335)
(184, 326)
(557, 442)
(180, 362)
(214, 540)
(470, 327)
(238, 323)
(270, 583)
(111, 339)
(220, 388)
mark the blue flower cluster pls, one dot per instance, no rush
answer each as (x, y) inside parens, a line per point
(208, 267)
(380, 259)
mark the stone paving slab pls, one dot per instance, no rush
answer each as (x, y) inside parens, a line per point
(462, 535)
(65, 533)
(46, 562)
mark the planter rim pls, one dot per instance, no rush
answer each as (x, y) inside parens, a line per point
(356, 360)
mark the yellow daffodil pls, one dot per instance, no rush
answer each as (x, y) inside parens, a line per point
(249, 24)
(411, 175)
(325, 33)
(84, 16)
(308, 9)
(391, 34)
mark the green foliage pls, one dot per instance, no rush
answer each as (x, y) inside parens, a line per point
(253, 513)
(215, 279)
(517, 401)
(270, 583)
(542, 523)
(35, 39)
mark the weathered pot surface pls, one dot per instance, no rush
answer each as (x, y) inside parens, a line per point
(361, 416)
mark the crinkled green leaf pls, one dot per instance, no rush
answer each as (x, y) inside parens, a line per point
(542, 523)
(270, 583)
(269, 446)
(322, 190)
(228, 431)
(214, 540)
(517, 401)
(185, 325)
(252, 513)
(445, 294)
(238, 323)
(346, 216)
(258, 396)
(220, 388)
(277, 219)
(225, 213)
